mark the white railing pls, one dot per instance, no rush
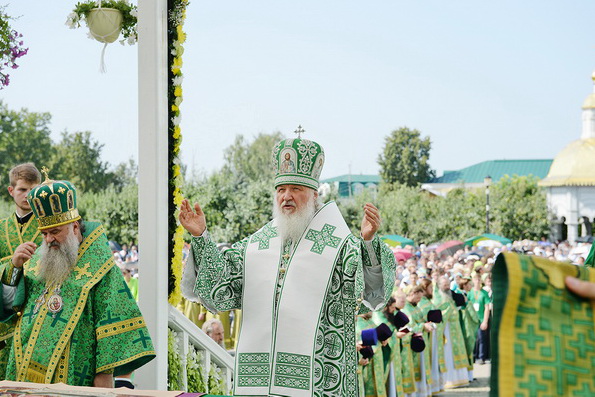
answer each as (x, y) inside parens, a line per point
(211, 352)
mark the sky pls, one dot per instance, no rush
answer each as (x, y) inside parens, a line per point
(484, 80)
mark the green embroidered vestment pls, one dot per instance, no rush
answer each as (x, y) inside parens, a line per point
(219, 285)
(99, 329)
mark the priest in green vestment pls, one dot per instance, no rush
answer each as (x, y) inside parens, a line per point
(469, 325)
(371, 374)
(76, 320)
(300, 280)
(434, 339)
(419, 325)
(392, 347)
(455, 351)
(19, 229)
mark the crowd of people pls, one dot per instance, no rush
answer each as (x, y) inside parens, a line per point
(459, 286)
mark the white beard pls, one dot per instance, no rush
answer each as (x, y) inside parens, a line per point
(55, 264)
(292, 226)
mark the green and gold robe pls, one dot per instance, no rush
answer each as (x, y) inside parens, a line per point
(469, 326)
(99, 328)
(371, 377)
(450, 317)
(12, 234)
(394, 346)
(417, 321)
(219, 285)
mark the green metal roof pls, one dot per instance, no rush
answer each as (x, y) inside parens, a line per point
(495, 169)
(353, 179)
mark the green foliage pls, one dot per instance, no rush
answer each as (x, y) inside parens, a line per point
(519, 208)
(116, 209)
(24, 137)
(251, 161)
(77, 158)
(6, 208)
(405, 157)
(237, 200)
(518, 211)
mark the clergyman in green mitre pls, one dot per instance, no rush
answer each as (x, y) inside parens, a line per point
(299, 280)
(75, 319)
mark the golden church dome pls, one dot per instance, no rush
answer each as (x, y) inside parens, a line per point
(573, 166)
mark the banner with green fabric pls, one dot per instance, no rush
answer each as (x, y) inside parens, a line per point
(543, 335)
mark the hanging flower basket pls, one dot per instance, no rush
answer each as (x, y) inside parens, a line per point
(105, 24)
(107, 20)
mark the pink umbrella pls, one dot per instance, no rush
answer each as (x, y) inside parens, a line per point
(402, 254)
(449, 247)
(399, 256)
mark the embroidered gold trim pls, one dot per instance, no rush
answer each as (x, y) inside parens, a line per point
(23, 359)
(506, 337)
(36, 372)
(76, 314)
(125, 361)
(62, 367)
(120, 327)
(46, 222)
(8, 236)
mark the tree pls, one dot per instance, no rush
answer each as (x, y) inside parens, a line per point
(519, 208)
(77, 158)
(251, 161)
(405, 157)
(116, 209)
(24, 137)
(237, 199)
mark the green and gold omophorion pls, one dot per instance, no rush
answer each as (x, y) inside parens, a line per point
(99, 328)
(543, 334)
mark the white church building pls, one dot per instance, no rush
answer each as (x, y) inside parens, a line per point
(570, 183)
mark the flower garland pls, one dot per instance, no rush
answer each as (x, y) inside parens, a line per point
(176, 39)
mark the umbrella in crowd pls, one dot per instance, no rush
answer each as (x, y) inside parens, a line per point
(487, 236)
(449, 247)
(401, 254)
(395, 240)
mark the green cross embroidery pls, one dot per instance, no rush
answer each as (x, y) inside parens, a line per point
(143, 338)
(329, 375)
(109, 319)
(83, 374)
(333, 344)
(58, 317)
(30, 313)
(530, 337)
(125, 290)
(323, 238)
(264, 236)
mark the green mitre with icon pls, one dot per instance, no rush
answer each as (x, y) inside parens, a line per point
(53, 202)
(298, 162)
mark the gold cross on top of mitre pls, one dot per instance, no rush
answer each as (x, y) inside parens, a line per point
(45, 171)
(299, 131)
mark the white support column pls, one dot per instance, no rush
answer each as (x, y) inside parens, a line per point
(153, 186)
